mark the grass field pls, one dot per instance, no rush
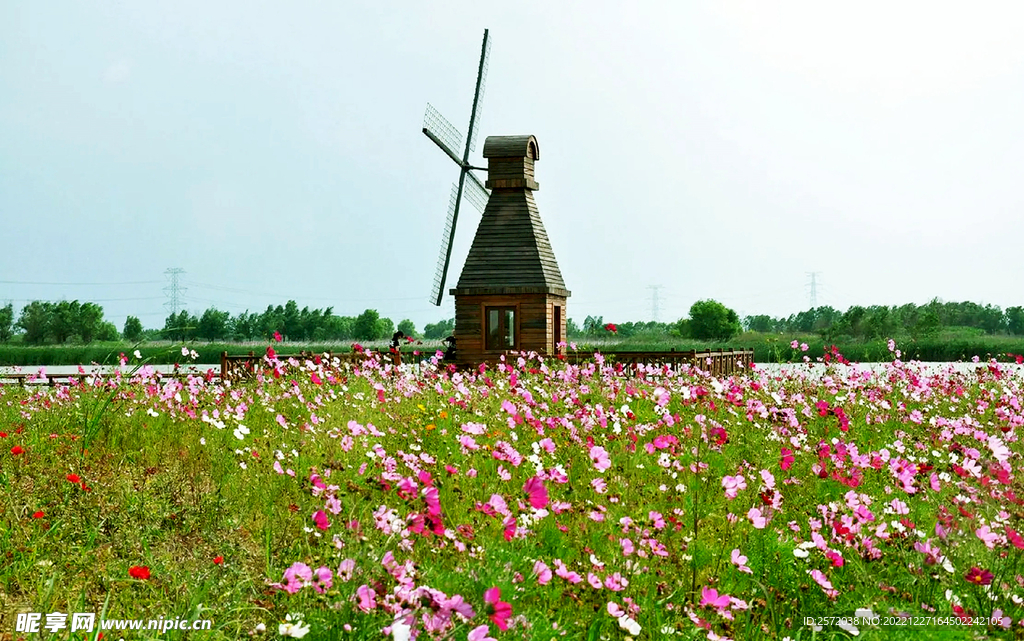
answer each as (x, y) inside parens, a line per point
(527, 501)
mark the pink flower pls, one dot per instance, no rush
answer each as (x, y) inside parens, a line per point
(657, 520)
(755, 516)
(320, 519)
(615, 582)
(740, 561)
(479, 633)
(594, 581)
(498, 610)
(825, 584)
(538, 494)
(989, 537)
(627, 547)
(296, 577)
(277, 336)
(542, 572)
(366, 598)
(599, 456)
(322, 579)
(733, 485)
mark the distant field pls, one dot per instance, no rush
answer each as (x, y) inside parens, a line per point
(767, 348)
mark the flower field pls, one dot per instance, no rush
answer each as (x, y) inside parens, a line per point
(532, 500)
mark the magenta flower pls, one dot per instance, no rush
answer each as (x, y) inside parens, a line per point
(709, 597)
(787, 459)
(320, 519)
(538, 494)
(498, 610)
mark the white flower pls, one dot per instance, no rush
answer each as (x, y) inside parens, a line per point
(241, 431)
(293, 627)
(629, 625)
(400, 631)
(138, 354)
(184, 351)
(801, 553)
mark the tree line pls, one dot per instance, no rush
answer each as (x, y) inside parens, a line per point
(61, 322)
(881, 321)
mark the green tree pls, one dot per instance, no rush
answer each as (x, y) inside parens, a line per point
(385, 328)
(438, 330)
(213, 324)
(761, 323)
(132, 329)
(1015, 320)
(64, 320)
(180, 326)
(408, 328)
(367, 326)
(89, 322)
(107, 331)
(711, 320)
(6, 322)
(571, 328)
(35, 320)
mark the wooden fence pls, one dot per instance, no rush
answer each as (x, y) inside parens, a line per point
(718, 362)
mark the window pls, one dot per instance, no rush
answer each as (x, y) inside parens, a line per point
(501, 327)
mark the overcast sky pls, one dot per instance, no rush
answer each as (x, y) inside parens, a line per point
(717, 150)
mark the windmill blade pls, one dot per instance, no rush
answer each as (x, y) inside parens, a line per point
(475, 192)
(478, 96)
(443, 133)
(447, 236)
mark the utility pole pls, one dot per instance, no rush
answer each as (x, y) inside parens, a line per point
(174, 290)
(814, 288)
(655, 309)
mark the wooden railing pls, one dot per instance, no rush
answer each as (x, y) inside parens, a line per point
(242, 366)
(718, 362)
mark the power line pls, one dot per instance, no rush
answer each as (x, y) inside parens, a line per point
(26, 282)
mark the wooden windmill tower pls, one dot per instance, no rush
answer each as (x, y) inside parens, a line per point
(510, 295)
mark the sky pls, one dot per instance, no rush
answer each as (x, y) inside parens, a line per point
(273, 151)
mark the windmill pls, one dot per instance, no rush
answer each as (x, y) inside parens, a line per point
(448, 138)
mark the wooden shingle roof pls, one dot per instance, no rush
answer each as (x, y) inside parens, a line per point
(511, 253)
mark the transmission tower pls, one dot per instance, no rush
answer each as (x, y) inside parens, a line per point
(174, 291)
(814, 288)
(654, 301)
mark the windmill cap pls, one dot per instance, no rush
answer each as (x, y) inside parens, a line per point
(512, 147)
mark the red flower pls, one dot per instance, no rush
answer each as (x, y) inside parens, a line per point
(17, 449)
(270, 352)
(611, 328)
(357, 347)
(140, 572)
(218, 560)
(3, 434)
(38, 515)
(977, 576)
(277, 336)
(74, 478)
